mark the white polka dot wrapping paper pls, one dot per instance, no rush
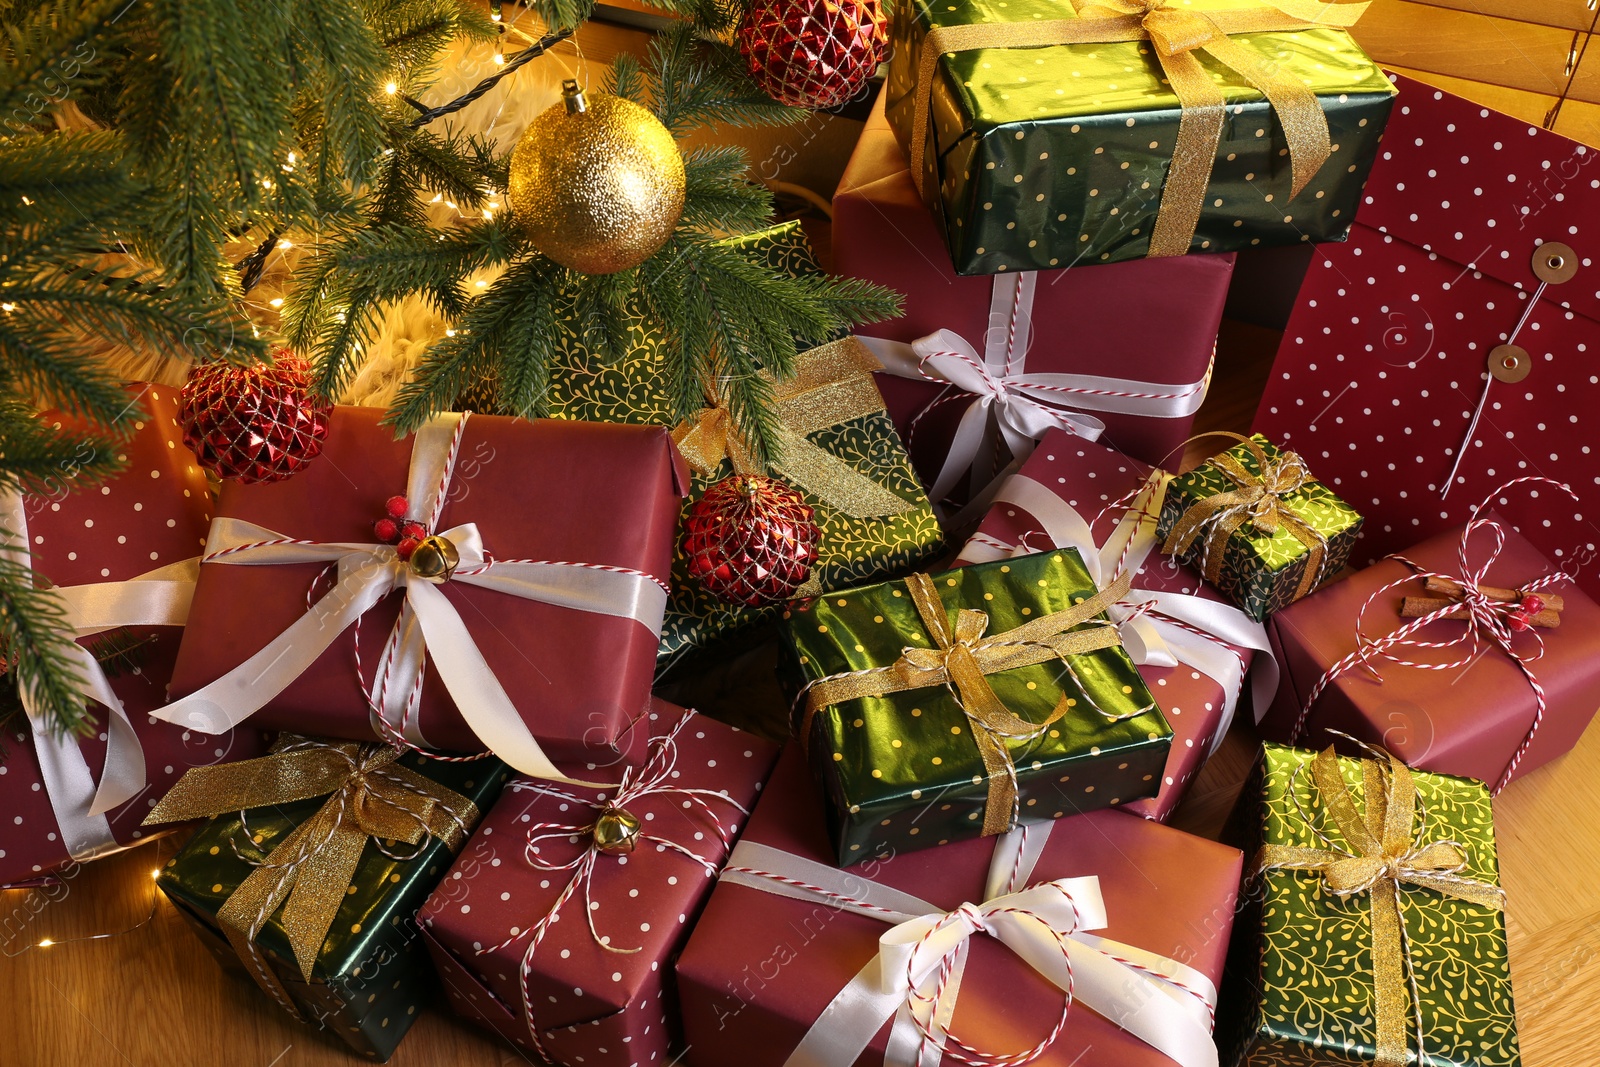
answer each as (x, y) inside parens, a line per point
(151, 515)
(1388, 352)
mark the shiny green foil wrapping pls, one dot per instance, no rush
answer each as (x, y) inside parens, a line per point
(902, 772)
(1057, 156)
(850, 550)
(1299, 988)
(1261, 572)
(373, 974)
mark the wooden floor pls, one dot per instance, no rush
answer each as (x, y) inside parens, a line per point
(152, 996)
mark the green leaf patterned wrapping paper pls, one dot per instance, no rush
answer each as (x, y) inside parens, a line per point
(372, 974)
(904, 770)
(851, 550)
(1301, 989)
(1260, 571)
(1058, 155)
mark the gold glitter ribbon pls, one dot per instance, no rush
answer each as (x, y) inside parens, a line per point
(1385, 860)
(961, 659)
(831, 384)
(1176, 34)
(1258, 501)
(311, 869)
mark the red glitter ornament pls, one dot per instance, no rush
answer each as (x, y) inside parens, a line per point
(750, 540)
(254, 424)
(813, 53)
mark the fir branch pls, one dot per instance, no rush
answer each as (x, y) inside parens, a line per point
(563, 14)
(718, 196)
(350, 62)
(624, 78)
(44, 52)
(699, 83)
(397, 260)
(47, 459)
(39, 646)
(120, 651)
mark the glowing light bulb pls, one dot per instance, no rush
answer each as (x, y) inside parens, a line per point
(46, 943)
(391, 88)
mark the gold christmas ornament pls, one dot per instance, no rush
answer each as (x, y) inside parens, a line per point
(434, 559)
(616, 832)
(596, 182)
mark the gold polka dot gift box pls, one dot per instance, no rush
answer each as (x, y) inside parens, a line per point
(964, 703)
(1094, 131)
(309, 878)
(121, 556)
(1372, 927)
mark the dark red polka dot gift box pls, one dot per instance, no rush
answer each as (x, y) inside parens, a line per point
(123, 555)
(1451, 344)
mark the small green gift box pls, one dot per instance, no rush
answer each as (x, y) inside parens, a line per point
(1372, 929)
(309, 878)
(1256, 523)
(841, 451)
(963, 703)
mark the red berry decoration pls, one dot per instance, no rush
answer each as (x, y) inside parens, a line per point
(750, 540)
(1518, 619)
(386, 531)
(1532, 604)
(413, 531)
(813, 53)
(407, 546)
(254, 424)
(395, 507)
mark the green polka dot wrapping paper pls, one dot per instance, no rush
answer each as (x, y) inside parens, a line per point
(372, 975)
(1300, 989)
(851, 549)
(1052, 155)
(904, 771)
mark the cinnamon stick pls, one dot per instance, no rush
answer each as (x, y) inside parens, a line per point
(1452, 590)
(1415, 607)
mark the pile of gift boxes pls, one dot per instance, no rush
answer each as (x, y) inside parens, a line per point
(448, 774)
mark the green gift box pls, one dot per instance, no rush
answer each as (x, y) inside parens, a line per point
(1373, 931)
(876, 524)
(335, 905)
(959, 704)
(1045, 133)
(1258, 526)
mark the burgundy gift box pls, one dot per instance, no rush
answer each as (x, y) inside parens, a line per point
(1386, 354)
(152, 515)
(593, 1005)
(1090, 479)
(760, 968)
(1154, 321)
(596, 496)
(1468, 721)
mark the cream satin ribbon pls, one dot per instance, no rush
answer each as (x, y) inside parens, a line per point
(915, 978)
(429, 627)
(1020, 405)
(158, 597)
(1158, 628)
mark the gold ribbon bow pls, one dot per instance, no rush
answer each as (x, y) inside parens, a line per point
(831, 384)
(1385, 860)
(1258, 501)
(1177, 35)
(962, 658)
(311, 869)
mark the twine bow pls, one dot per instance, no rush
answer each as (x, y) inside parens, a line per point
(961, 659)
(653, 780)
(1385, 859)
(831, 384)
(1258, 500)
(308, 873)
(1176, 34)
(1489, 619)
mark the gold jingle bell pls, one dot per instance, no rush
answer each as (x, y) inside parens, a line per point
(434, 559)
(616, 832)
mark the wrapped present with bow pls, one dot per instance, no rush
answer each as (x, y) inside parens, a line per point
(1192, 648)
(1094, 131)
(966, 703)
(519, 611)
(309, 875)
(1373, 925)
(121, 559)
(835, 444)
(1258, 525)
(635, 860)
(1470, 654)
(1096, 941)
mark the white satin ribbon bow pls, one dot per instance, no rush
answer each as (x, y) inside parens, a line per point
(1159, 629)
(1021, 406)
(915, 978)
(158, 597)
(429, 627)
